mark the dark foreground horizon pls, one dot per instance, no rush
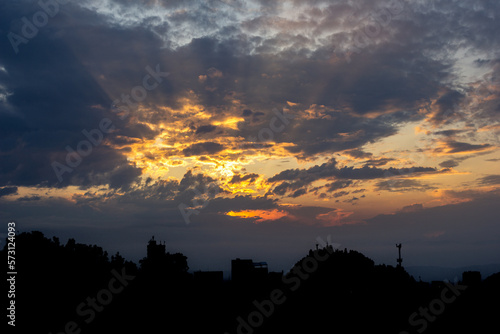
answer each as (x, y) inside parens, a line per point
(76, 288)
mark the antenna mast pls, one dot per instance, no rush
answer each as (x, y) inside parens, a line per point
(400, 260)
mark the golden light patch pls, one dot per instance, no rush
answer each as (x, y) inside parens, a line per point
(248, 186)
(446, 197)
(419, 130)
(260, 215)
(230, 122)
(175, 163)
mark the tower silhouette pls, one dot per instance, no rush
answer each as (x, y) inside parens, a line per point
(399, 259)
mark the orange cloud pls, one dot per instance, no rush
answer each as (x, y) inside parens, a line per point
(419, 129)
(260, 215)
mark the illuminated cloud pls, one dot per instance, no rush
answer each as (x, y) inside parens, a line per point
(259, 216)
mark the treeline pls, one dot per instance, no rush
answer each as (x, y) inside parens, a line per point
(77, 288)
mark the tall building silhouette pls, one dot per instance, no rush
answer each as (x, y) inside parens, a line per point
(155, 251)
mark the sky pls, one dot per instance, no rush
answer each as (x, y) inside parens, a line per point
(254, 128)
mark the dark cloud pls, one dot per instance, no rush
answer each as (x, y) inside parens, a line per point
(461, 147)
(449, 163)
(123, 176)
(449, 133)
(247, 112)
(378, 162)
(54, 98)
(328, 133)
(191, 180)
(403, 185)
(353, 200)
(284, 187)
(489, 180)
(358, 154)
(329, 169)
(156, 190)
(29, 198)
(447, 107)
(206, 129)
(457, 160)
(413, 208)
(340, 184)
(6, 191)
(340, 194)
(208, 148)
(238, 178)
(293, 179)
(299, 193)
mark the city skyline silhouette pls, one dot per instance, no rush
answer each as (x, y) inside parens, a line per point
(74, 287)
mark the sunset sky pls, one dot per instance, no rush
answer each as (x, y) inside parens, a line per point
(251, 128)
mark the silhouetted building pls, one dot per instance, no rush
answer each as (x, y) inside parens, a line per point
(241, 269)
(247, 270)
(260, 270)
(471, 278)
(158, 261)
(155, 251)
